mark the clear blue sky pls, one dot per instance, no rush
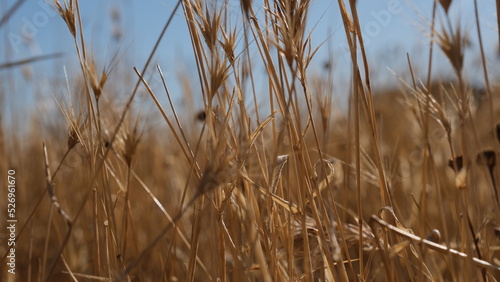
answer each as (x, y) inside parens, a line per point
(391, 29)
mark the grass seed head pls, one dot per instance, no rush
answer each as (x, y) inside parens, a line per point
(437, 112)
(216, 173)
(245, 6)
(209, 23)
(487, 157)
(496, 230)
(228, 44)
(73, 138)
(456, 163)
(67, 13)
(453, 46)
(445, 4)
(219, 73)
(320, 167)
(201, 116)
(96, 83)
(131, 140)
(280, 163)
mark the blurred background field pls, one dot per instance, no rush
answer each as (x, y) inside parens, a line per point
(252, 140)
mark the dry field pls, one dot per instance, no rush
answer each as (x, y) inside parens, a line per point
(241, 184)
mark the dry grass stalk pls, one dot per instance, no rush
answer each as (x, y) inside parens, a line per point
(55, 202)
(29, 60)
(431, 244)
(280, 163)
(324, 172)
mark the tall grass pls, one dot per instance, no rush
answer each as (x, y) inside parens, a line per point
(401, 188)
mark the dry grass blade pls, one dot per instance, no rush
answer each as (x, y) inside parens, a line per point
(29, 60)
(256, 133)
(430, 244)
(280, 163)
(287, 205)
(186, 142)
(5, 18)
(324, 171)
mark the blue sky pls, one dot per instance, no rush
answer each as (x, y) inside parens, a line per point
(390, 27)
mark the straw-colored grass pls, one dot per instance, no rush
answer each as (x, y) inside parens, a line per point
(268, 181)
